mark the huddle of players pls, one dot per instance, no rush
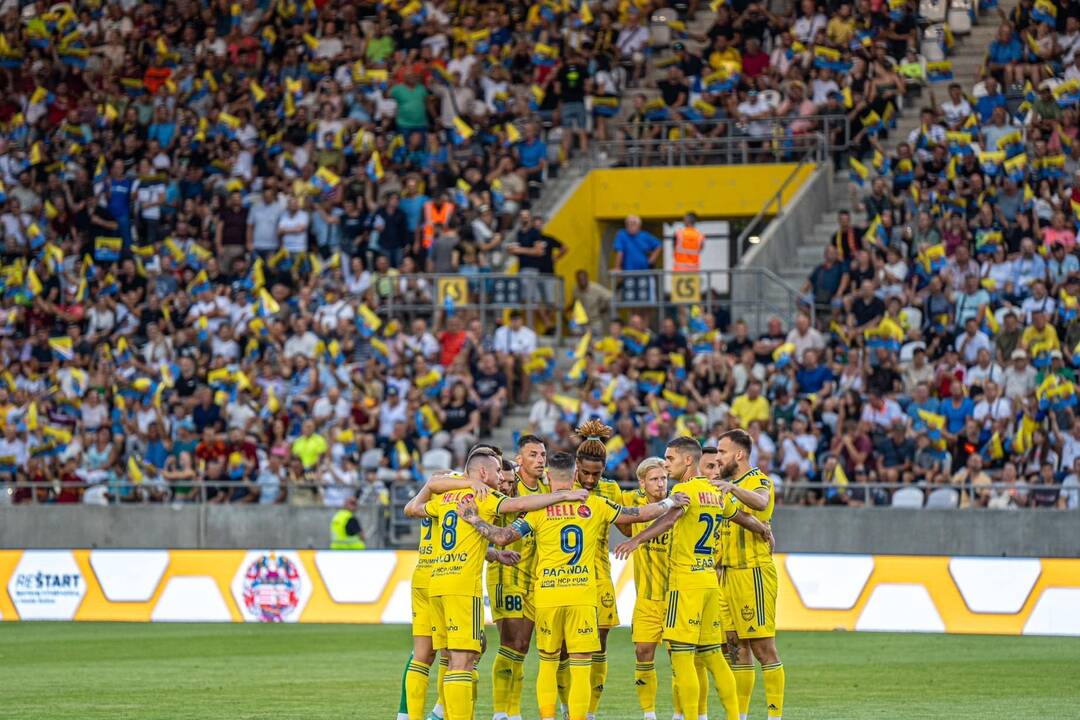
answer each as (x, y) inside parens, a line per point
(710, 543)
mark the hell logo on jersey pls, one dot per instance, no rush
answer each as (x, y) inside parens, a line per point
(584, 511)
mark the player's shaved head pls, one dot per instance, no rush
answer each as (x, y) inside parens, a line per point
(486, 467)
(561, 471)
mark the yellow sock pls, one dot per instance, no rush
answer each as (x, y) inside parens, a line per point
(547, 693)
(685, 679)
(703, 686)
(416, 682)
(459, 694)
(772, 676)
(675, 697)
(582, 690)
(645, 683)
(744, 685)
(502, 679)
(475, 683)
(440, 702)
(564, 681)
(517, 679)
(722, 679)
(597, 676)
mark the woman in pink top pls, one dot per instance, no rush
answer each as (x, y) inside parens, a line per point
(1057, 233)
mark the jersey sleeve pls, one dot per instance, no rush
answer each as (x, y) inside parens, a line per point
(522, 526)
(431, 507)
(730, 508)
(609, 511)
(488, 508)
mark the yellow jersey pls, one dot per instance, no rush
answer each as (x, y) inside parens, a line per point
(611, 492)
(695, 534)
(740, 548)
(651, 559)
(566, 535)
(421, 577)
(520, 575)
(457, 567)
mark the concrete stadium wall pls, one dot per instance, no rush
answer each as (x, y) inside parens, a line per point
(178, 527)
(800, 530)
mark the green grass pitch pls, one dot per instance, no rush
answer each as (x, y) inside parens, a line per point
(113, 671)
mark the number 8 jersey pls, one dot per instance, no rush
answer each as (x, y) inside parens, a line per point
(457, 565)
(566, 538)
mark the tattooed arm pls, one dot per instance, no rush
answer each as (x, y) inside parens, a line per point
(528, 503)
(658, 528)
(500, 536)
(645, 513)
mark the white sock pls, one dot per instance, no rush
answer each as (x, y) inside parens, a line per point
(515, 717)
(403, 716)
(774, 717)
(500, 716)
(650, 716)
(742, 716)
(676, 716)
(437, 712)
(590, 716)
(702, 717)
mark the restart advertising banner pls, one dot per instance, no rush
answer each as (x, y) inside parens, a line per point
(817, 592)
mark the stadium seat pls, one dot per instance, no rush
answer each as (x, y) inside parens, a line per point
(371, 459)
(943, 499)
(908, 497)
(437, 459)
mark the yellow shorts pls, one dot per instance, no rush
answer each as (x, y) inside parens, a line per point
(751, 597)
(421, 612)
(573, 624)
(457, 622)
(693, 617)
(506, 601)
(608, 612)
(528, 606)
(648, 622)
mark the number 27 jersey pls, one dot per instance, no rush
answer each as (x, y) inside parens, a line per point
(566, 538)
(695, 536)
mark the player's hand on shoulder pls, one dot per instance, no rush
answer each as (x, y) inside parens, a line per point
(724, 486)
(479, 489)
(576, 494)
(508, 557)
(625, 549)
(680, 499)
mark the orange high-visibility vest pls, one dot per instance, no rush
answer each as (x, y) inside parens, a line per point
(435, 215)
(689, 243)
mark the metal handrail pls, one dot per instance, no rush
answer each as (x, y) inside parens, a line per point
(778, 198)
(786, 489)
(825, 122)
(709, 299)
(486, 293)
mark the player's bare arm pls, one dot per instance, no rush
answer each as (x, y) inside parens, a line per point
(503, 557)
(528, 503)
(415, 507)
(645, 513)
(447, 482)
(658, 528)
(500, 536)
(757, 499)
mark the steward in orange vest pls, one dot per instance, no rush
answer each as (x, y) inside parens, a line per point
(436, 213)
(689, 242)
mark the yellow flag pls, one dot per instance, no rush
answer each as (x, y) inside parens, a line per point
(462, 128)
(257, 92)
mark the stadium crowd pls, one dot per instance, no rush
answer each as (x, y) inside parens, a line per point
(949, 316)
(210, 207)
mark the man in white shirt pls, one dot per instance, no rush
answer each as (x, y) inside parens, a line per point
(804, 337)
(263, 221)
(984, 370)
(292, 227)
(1019, 377)
(956, 109)
(420, 342)
(391, 412)
(808, 24)
(513, 344)
(302, 342)
(755, 111)
(971, 342)
(1040, 301)
(993, 406)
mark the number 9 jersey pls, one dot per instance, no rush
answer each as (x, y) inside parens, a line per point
(565, 580)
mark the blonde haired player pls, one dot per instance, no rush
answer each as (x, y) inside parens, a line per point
(749, 576)
(693, 627)
(455, 595)
(566, 574)
(650, 584)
